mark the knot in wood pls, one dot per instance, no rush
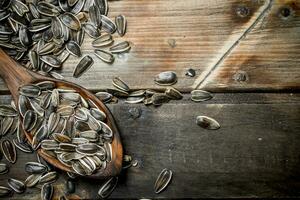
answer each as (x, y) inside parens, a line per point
(240, 76)
(242, 11)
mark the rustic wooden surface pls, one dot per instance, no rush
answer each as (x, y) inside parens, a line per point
(207, 35)
(256, 151)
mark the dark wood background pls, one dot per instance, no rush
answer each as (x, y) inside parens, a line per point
(256, 152)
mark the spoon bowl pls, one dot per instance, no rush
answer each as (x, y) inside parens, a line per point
(16, 76)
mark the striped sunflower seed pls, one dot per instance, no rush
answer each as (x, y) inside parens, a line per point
(121, 24)
(105, 56)
(207, 123)
(108, 187)
(121, 47)
(17, 185)
(84, 64)
(9, 151)
(102, 41)
(162, 180)
(201, 95)
(47, 192)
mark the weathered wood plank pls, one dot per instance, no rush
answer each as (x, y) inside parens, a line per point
(175, 35)
(254, 154)
(268, 55)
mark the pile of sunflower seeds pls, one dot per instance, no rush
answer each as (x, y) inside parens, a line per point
(66, 126)
(148, 97)
(42, 34)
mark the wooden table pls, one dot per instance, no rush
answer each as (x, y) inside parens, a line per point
(247, 53)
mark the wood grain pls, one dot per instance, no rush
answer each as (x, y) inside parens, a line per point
(254, 154)
(176, 35)
(269, 54)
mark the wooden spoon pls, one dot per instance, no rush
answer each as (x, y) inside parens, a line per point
(16, 76)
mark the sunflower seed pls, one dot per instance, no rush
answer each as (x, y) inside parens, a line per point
(24, 36)
(71, 21)
(77, 167)
(47, 192)
(105, 56)
(78, 141)
(81, 114)
(91, 30)
(121, 47)
(47, 9)
(104, 96)
(78, 7)
(90, 135)
(71, 96)
(34, 59)
(172, 93)
(93, 123)
(25, 147)
(56, 27)
(29, 120)
(49, 144)
(88, 149)
(3, 168)
(5, 191)
(51, 60)
(207, 123)
(47, 48)
(162, 180)
(16, 185)
(60, 138)
(121, 24)
(108, 187)
(9, 151)
(201, 95)
(73, 48)
(53, 121)
(137, 93)
(33, 10)
(103, 40)
(84, 64)
(49, 177)
(166, 78)
(88, 164)
(159, 99)
(65, 111)
(68, 156)
(6, 124)
(108, 25)
(19, 7)
(120, 84)
(67, 147)
(32, 180)
(30, 91)
(190, 72)
(118, 92)
(98, 114)
(35, 168)
(36, 107)
(102, 5)
(41, 134)
(56, 75)
(134, 100)
(95, 16)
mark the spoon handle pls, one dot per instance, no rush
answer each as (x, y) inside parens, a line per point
(13, 74)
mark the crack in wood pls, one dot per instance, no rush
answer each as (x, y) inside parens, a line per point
(200, 83)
